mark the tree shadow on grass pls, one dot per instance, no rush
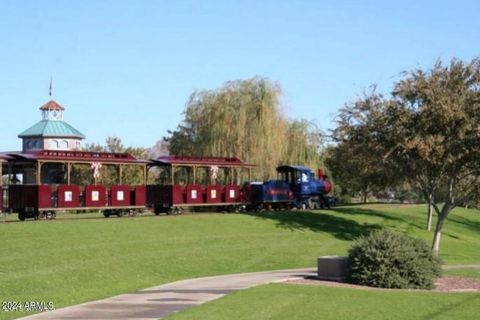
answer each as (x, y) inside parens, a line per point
(468, 223)
(352, 210)
(340, 228)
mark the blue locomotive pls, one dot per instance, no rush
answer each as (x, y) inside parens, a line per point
(296, 186)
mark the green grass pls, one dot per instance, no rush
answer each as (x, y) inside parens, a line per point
(464, 272)
(460, 238)
(303, 302)
(69, 261)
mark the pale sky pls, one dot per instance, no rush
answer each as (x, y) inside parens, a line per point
(126, 68)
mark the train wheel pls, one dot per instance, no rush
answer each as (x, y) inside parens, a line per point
(233, 209)
(174, 211)
(310, 204)
(50, 215)
(21, 216)
(106, 214)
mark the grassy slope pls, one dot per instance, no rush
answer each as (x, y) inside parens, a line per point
(460, 237)
(303, 302)
(73, 261)
(464, 272)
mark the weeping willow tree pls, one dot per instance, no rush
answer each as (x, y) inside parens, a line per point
(244, 119)
(304, 143)
(241, 119)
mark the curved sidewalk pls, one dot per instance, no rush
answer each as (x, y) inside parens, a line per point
(160, 301)
(460, 266)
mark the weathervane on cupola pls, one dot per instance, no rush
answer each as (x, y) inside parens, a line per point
(50, 89)
(52, 110)
(52, 132)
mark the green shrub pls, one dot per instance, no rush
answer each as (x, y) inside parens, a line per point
(344, 199)
(388, 259)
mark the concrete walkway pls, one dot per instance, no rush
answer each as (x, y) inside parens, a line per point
(158, 302)
(461, 266)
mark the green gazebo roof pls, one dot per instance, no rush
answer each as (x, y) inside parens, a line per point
(52, 128)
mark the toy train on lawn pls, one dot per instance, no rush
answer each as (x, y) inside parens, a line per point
(37, 184)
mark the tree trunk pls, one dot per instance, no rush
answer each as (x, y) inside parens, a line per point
(437, 236)
(429, 212)
(442, 216)
(365, 195)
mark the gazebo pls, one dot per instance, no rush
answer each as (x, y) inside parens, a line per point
(52, 132)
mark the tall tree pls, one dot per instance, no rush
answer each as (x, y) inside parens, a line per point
(357, 159)
(244, 119)
(114, 144)
(440, 144)
(304, 141)
(430, 133)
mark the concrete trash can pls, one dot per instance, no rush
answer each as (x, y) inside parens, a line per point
(332, 268)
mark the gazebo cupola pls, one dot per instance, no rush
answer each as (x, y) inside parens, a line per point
(51, 133)
(52, 111)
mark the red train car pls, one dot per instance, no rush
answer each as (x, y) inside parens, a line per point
(195, 182)
(40, 183)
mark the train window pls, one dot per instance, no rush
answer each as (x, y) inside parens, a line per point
(54, 173)
(120, 195)
(68, 196)
(194, 194)
(183, 174)
(81, 174)
(95, 196)
(304, 177)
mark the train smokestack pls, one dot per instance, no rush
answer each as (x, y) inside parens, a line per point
(320, 174)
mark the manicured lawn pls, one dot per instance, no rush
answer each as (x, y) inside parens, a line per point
(303, 302)
(467, 272)
(69, 261)
(460, 238)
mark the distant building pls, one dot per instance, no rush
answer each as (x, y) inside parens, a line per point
(51, 133)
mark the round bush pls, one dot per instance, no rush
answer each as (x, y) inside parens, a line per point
(388, 259)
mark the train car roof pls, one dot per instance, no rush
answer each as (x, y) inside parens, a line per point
(292, 168)
(4, 156)
(73, 156)
(190, 161)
